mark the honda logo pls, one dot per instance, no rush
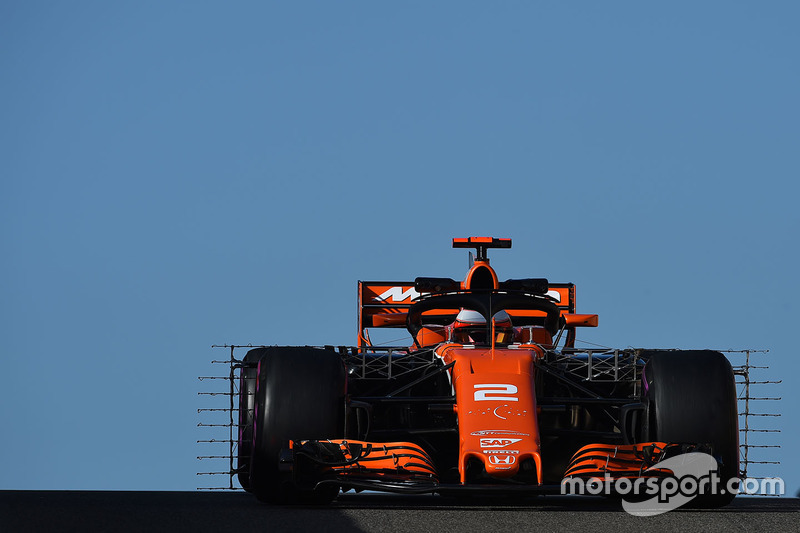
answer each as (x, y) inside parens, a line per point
(504, 460)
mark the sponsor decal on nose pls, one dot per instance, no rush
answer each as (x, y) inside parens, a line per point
(504, 460)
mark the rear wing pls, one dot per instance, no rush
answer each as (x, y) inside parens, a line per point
(384, 304)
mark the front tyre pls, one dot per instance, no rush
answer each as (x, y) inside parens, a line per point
(299, 396)
(247, 393)
(691, 398)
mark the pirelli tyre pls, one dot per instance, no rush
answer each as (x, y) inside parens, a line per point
(690, 397)
(247, 393)
(299, 395)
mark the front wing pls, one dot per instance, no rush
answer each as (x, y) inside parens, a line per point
(404, 467)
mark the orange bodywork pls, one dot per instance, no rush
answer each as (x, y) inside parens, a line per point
(431, 336)
(389, 459)
(618, 461)
(496, 405)
(477, 274)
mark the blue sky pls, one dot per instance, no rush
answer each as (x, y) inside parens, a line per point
(179, 174)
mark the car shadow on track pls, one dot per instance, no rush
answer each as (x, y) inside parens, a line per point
(554, 503)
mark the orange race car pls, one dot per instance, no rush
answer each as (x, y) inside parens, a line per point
(491, 395)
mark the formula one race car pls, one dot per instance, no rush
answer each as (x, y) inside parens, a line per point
(491, 396)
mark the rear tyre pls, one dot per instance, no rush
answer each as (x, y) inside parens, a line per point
(691, 398)
(299, 395)
(247, 392)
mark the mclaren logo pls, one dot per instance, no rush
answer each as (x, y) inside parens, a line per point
(555, 295)
(497, 443)
(396, 295)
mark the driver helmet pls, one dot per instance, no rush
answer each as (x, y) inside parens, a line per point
(503, 328)
(470, 328)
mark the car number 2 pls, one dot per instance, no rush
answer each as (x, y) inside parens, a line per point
(495, 391)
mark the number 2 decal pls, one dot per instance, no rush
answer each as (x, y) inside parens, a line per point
(495, 391)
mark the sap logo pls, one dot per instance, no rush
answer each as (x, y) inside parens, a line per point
(505, 460)
(397, 295)
(495, 391)
(497, 443)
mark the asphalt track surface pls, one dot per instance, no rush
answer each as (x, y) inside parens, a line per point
(82, 511)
